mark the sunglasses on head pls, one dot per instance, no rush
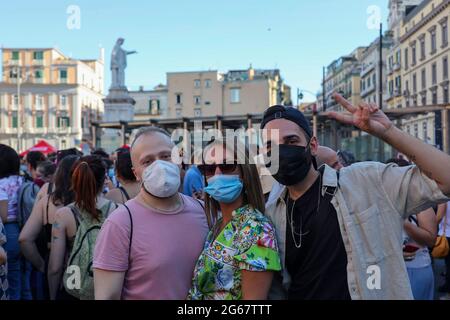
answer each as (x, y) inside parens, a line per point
(210, 169)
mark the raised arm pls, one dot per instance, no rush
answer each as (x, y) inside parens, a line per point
(29, 234)
(369, 118)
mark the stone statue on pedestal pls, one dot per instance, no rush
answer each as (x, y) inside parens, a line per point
(119, 64)
(119, 105)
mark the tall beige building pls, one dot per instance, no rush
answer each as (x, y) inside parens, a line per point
(424, 37)
(398, 9)
(44, 94)
(344, 76)
(370, 71)
(211, 93)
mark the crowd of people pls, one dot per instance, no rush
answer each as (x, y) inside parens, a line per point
(134, 225)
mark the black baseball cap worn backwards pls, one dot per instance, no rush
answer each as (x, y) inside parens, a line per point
(288, 113)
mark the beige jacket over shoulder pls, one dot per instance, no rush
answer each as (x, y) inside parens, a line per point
(371, 202)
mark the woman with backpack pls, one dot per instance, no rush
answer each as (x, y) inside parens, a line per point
(74, 232)
(36, 235)
(10, 184)
(129, 186)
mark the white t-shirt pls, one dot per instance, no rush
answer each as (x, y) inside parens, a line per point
(9, 190)
(445, 219)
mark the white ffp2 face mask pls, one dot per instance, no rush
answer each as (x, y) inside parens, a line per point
(162, 179)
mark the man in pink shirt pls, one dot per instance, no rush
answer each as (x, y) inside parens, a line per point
(150, 252)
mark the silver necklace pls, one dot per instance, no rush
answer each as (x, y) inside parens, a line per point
(290, 217)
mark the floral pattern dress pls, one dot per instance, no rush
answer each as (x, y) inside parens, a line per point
(248, 242)
(3, 268)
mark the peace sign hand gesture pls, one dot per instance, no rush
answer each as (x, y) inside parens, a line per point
(367, 117)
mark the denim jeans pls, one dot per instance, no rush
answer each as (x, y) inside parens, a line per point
(422, 282)
(19, 270)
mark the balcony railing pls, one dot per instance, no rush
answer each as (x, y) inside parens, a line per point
(38, 130)
(367, 69)
(13, 63)
(39, 107)
(9, 130)
(38, 62)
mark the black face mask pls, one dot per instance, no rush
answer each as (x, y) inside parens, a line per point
(294, 165)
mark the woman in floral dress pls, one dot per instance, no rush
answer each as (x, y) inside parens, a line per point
(240, 255)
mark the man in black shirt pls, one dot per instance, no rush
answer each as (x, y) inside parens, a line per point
(333, 232)
(318, 267)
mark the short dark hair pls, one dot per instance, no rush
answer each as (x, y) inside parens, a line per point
(48, 168)
(9, 162)
(61, 154)
(101, 153)
(346, 158)
(124, 166)
(399, 162)
(34, 157)
(121, 150)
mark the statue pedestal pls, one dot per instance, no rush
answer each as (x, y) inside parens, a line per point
(119, 106)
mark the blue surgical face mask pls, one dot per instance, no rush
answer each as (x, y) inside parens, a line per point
(224, 188)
